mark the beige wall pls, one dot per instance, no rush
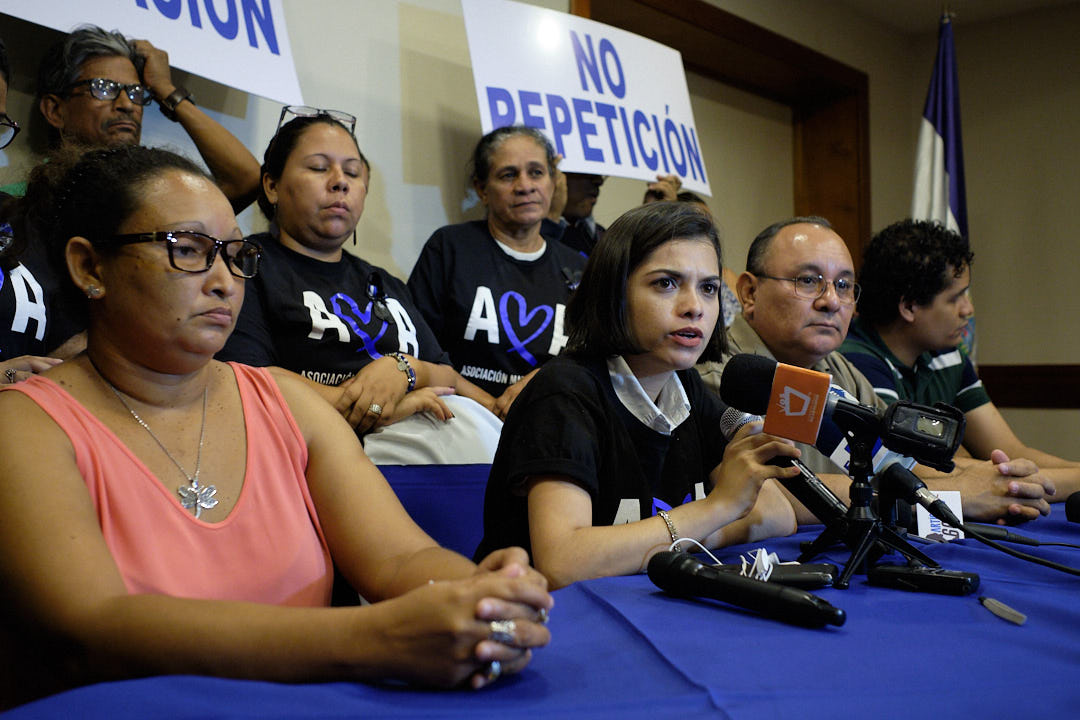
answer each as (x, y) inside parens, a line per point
(403, 68)
(746, 144)
(1020, 99)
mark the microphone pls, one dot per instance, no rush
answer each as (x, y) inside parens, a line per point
(800, 398)
(1072, 507)
(683, 575)
(743, 385)
(795, 401)
(807, 487)
(905, 485)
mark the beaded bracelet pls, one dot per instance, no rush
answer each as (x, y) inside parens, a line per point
(404, 366)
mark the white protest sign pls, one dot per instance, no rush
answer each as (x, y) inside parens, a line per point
(240, 43)
(612, 103)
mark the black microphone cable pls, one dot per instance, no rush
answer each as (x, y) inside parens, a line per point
(1003, 534)
(973, 531)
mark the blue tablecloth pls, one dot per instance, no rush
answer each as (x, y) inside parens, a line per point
(621, 648)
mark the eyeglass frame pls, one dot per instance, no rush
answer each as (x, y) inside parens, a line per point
(121, 87)
(306, 111)
(6, 120)
(823, 285)
(168, 237)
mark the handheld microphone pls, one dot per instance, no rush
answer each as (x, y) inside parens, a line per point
(801, 398)
(1072, 507)
(795, 401)
(683, 575)
(807, 487)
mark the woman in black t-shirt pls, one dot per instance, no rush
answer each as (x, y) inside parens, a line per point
(494, 291)
(347, 327)
(615, 450)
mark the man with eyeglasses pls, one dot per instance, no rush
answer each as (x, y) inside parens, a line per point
(798, 296)
(907, 339)
(93, 86)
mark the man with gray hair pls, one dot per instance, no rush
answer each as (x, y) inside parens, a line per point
(94, 84)
(798, 295)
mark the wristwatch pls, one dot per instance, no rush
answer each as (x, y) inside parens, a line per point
(177, 96)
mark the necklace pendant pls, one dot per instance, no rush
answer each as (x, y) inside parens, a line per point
(196, 497)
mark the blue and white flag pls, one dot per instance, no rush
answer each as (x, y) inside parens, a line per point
(939, 159)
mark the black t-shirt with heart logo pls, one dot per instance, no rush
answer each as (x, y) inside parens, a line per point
(499, 317)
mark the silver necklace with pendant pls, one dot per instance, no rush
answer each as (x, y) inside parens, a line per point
(193, 496)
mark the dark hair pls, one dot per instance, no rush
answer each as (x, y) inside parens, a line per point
(485, 149)
(755, 257)
(596, 315)
(33, 215)
(5, 64)
(62, 62)
(91, 194)
(910, 260)
(689, 197)
(281, 147)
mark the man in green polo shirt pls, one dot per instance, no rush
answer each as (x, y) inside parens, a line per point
(913, 309)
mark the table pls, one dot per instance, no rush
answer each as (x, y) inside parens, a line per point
(622, 648)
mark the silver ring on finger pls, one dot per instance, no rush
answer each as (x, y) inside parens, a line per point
(10, 374)
(375, 409)
(542, 616)
(493, 671)
(502, 631)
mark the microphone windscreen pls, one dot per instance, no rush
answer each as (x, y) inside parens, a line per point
(746, 382)
(731, 420)
(666, 568)
(1072, 507)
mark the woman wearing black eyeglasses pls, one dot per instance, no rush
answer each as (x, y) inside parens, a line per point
(165, 513)
(348, 327)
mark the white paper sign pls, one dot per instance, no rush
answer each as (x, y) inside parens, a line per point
(612, 103)
(932, 528)
(240, 43)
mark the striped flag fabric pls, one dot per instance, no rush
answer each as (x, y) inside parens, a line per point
(939, 159)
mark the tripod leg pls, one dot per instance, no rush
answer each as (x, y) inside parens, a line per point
(867, 541)
(830, 536)
(890, 537)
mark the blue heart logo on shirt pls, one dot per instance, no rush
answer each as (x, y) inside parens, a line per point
(525, 318)
(365, 318)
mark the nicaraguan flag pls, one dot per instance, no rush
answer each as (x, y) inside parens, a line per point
(939, 160)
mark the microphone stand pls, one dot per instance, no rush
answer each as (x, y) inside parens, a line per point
(862, 530)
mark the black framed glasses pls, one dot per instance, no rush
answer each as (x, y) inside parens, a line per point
(810, 287)
(8, 130)
(194, 252)
(377, 296)
(109, 90)
(305, 111)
